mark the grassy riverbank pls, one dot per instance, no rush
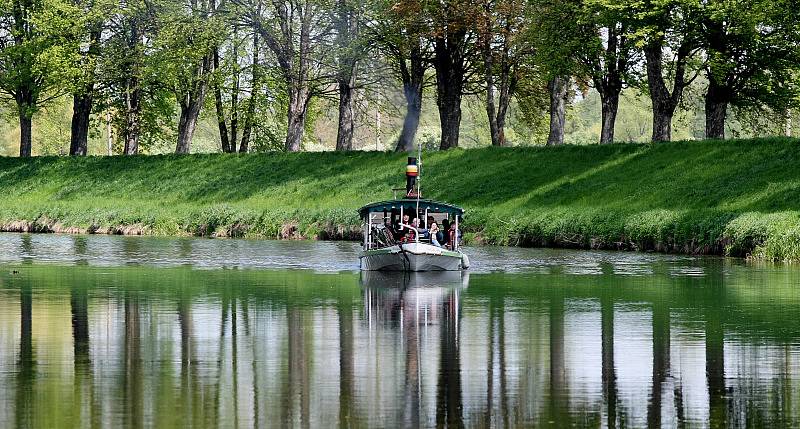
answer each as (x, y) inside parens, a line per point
(734, 197)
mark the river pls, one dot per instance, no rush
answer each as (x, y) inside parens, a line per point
(108, 331)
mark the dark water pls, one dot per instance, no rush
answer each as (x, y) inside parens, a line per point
(142, 332)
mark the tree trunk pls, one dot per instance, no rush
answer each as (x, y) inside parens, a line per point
(25, 131)
(664, 103)
(449, 65)
(187, 124)
(221, 122)
(132, 117)
(82, 103)
(81, 111)
(450, 118)
(411, 120)
(488, 65)
(716, 107)
(610, 106)
(344, 135)
(346, 32)
(413, 83)
(296, 119)
(558, 88)
(25, 105)
(133, 94)
(247, 130)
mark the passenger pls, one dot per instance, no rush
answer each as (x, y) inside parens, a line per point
(436, 234)
(387, 227)
(400, 231)
(454, 236)
(445, 233)
(423, 233)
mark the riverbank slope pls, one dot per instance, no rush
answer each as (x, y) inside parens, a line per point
(738, 197)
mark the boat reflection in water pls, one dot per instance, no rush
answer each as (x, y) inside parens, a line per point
(414, 303)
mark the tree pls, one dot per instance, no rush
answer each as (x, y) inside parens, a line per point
(186, 46)
(752, 50)
(671, 38)
(556, 37)
(89, 28)
(30, 58)
(297, 32)
(400, 29)
(124, 72)
(504, 45)
(607, 59)
(349, 50)
(452, 35)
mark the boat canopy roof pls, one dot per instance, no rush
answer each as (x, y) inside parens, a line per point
(410, 204)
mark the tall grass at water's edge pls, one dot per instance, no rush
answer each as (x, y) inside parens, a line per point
(739, 197)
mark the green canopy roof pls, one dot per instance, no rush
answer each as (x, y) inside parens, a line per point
(410, 204)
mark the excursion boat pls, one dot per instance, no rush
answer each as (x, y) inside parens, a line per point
(396, 232)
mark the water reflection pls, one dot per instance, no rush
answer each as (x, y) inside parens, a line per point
(147, 347)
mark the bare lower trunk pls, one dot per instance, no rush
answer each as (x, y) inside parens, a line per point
(411, 121)
(344, 135)
(187, 124)
(81, 111)
(413, 83)
(221, 122)
(82, 102)
(610, 106)
(494, 131)
(132, 117)
(449, 65)
(450, 118)
(25, 131)
(558, 88)
(662, 122)
(663, 101)
(716, 108)
(247, 130)
(296, 121)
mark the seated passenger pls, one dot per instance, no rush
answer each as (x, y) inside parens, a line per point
(388, 230)
(435, 234)
(399, 230)
(445, 233)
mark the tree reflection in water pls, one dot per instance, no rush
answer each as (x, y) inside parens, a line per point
(144, 347)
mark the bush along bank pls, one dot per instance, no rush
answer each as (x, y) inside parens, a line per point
(736, 198)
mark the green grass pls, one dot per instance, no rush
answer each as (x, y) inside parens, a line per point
(739, 197)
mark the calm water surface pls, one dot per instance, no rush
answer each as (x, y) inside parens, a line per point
(148, 332)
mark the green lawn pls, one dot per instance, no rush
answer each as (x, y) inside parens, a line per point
(724, 197)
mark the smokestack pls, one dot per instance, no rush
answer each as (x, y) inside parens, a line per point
(411, 177)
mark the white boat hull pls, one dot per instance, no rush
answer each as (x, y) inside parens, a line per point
(412, 257)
